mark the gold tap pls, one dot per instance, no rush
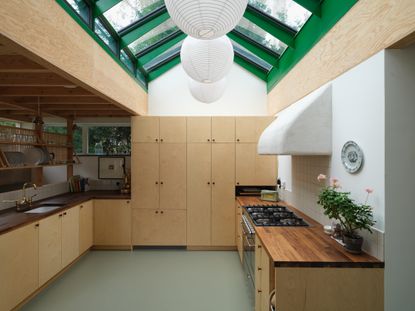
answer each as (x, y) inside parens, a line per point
(24, 203)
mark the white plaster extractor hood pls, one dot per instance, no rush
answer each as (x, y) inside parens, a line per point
(303, 128)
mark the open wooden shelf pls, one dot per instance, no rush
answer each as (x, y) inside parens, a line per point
(34, 166)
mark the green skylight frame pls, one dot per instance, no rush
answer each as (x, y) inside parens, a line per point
(251, 52)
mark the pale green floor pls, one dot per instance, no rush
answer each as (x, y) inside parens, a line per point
(149, 280)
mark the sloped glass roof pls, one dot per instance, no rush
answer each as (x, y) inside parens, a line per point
(153, 36)
(260, 36)
(142, 38)
(127, 12)
(287, 12)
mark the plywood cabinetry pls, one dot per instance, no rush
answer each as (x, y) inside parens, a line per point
(223, 194)
(158, 130)
(19, 265)
(199, 194)
(70, 235)
(159, 227)
(249, 129)
(238, 231)
(86, 226)
(223, 129)
(254, 169)
(263, 277)
(199, 129)
(145, 129)
(112, 223)
(50, 247)
(172, 130)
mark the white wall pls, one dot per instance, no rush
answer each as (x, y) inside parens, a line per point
(245, 95)
(358, 115)
(400, 172)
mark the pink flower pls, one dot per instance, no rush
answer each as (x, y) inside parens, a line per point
(321, 177)
(335, 183)
(369, 190)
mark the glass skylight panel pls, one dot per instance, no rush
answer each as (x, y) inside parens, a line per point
(81, 8)
(126, 60)
(105, 36)
(252, 57)
(153, 36)
(260, 36)
(129, 11)
(286, 11)
(163, 57)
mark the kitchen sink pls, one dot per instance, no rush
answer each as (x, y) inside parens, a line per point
(43, 209)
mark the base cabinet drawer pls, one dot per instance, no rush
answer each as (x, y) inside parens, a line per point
(159, 227)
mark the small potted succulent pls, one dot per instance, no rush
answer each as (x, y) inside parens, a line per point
(351, 215)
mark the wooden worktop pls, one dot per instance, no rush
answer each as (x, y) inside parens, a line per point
(305, 246)
(10, 219)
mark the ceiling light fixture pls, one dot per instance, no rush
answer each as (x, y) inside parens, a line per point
(207, 61)
(206, 19)
(207, 92)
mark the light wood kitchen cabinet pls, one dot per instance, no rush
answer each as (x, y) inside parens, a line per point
(249, 129)
(172, 130)
(223, 194)
(50, 247)
(199, 129)
(159, 227)
(86, 226)
(223, 129)
(199, 194)
(145, 129)
(172, 176)
(112, 223)
(70, 235)
(19, 268)
(254, 169)
(262, 277)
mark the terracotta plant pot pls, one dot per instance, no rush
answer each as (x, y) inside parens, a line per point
(353, 244)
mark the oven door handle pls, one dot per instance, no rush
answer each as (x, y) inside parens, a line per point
(249, 244)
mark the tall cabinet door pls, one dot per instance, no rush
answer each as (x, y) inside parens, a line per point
(199, 194)
(173, 130)
(86, 226)
(199, 129)
(50, 247)
(145, 129)
(145, 175)
(223, 194)
(265, 169)
(70, 235)
(246, 129)
(172, 176)
(223, 129)
(245, 164)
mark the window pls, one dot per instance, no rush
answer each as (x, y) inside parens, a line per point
(252, 57)
(127, 60)
(105, 35)
(260, 36)
(109, 140)
(170, 53)
(8, 123)
(81, 8)
(129, 11)
(153, 36)
(286, 11)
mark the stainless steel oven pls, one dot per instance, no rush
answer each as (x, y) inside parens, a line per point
(248, 234)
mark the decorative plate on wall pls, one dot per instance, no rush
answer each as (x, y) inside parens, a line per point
(352, 157)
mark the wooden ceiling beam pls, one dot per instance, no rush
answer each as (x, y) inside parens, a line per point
(32, 79)
(8, 116)
(34, 111)
(90, 100)
(19, 64)
(86, 107)
(43, 91)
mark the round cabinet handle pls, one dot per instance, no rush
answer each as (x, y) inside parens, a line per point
(81, 206)
(237, 139)
(161, 140)
(156, 139)
(237, 183)
(259, 269)
(259, 291)
(161, 183)
(36, 225)
(157, 212)
(208, 139)
(64, 214)
(157, 182)
(208, 182)
(128, 202)
(259, 246)
(60, 215)
(161, 212)
(213, 183)
(213, 140)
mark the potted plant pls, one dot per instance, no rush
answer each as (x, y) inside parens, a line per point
(351, 215)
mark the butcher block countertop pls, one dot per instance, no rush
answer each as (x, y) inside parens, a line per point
(10, 219)
(305, 246)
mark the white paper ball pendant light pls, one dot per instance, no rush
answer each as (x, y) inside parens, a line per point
(206, 19)
(207, 61)
(207, 92)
